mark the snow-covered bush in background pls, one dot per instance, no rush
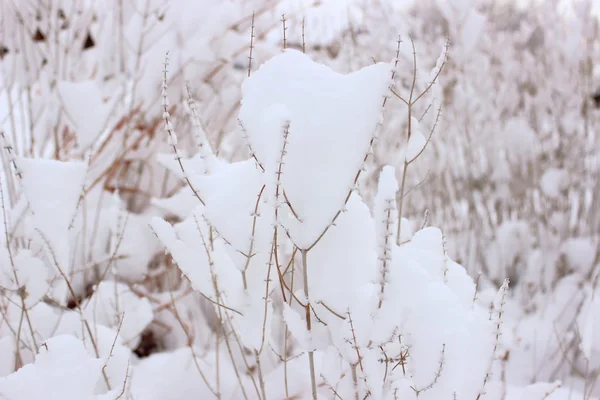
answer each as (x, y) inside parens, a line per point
(290, 266)
(512, 175)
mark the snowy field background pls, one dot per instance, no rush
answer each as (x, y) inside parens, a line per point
(334, 199)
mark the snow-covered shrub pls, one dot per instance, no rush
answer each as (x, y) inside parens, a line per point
(297, 267)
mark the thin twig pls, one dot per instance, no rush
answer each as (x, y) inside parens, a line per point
(251, 44)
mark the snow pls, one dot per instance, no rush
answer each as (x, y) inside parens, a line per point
(114, 305)
(181, 204)
(62, 370)
(85, 106)
(231, 195)
(191, 259)
(554, 181)
(129, 232)
(178, 376)
(53, 190)
(416, 143)
(257, 246)
(344, 251)
(297, 327)
(325, 110)
(385, 215)
(32, 276)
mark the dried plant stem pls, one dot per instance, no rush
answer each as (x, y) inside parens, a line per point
(9, 161)
(437, 375)
(264, 324)
(355, 382)
(303, 38)
(284, 28)
(497, 333)
(223, 310)
(311, 355)
(190, 341)
(78, 307)
(401, 200)
(355, 342)
(241, 349)
(218, 357)
(20, 290)
(386, 259)
(412, 100)
(261, 380)
(170, 131)
(138, 64)
(3, 313)
(114, 343)
(407, 162)
(230, 352)
(251, 45)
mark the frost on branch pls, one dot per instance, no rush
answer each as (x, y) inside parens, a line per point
(386, 219)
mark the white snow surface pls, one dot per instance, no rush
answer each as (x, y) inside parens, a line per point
(332, 118)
